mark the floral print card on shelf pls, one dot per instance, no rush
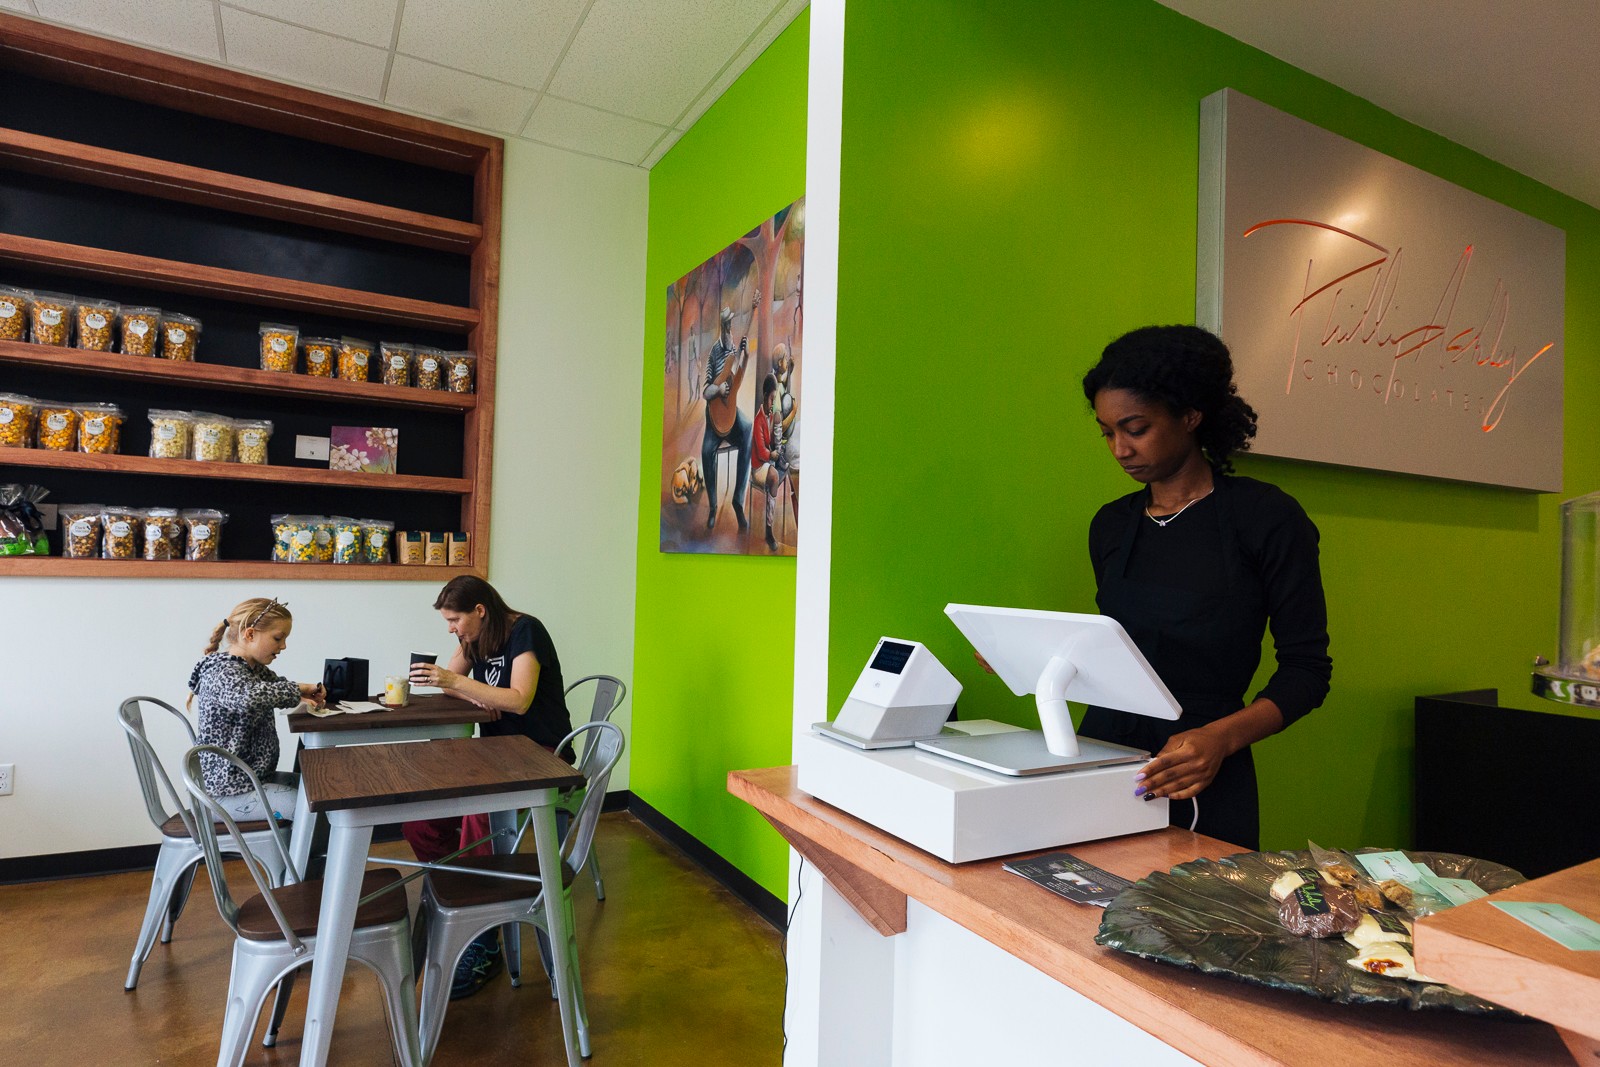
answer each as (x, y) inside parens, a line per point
(372, 449)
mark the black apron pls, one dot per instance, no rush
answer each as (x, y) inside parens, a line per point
(1205, 647)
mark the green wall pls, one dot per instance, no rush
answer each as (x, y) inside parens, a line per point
(714, 635)
(1018, 188)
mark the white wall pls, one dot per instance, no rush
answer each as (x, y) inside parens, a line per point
(563, 529)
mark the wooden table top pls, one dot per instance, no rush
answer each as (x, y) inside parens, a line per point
(363, 776)
(1479, 948)
(1212, 1019)
(431, 709)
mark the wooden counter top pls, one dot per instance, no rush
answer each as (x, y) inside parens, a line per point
(1479, 948)
(1214, 1020)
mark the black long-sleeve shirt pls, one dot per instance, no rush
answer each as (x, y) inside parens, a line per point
(1278, 582)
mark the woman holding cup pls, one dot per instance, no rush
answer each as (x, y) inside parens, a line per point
(506, 663)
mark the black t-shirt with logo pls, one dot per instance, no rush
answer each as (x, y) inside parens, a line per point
(546, 720)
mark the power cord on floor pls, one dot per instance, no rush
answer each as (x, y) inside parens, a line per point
(799, 891)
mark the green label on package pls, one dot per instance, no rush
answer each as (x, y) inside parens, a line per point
(1557, 922)
(1456, 890)
(1383, 866)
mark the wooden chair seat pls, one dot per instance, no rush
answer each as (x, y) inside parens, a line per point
(301, 902)
(453, 889)
(174, 827)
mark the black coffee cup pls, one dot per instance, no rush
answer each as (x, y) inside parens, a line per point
(419, 658)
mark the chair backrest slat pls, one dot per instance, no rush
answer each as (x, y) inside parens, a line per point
(609, 692)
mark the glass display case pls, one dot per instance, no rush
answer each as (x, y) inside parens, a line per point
(1575, 676)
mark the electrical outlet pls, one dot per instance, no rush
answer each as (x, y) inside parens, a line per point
(310, 447)
(8, 778)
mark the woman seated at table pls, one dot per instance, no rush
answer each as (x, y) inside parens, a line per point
(506, 663)
(238, 695)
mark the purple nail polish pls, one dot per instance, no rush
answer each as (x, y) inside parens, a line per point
(1138, 790)
(1139, 777)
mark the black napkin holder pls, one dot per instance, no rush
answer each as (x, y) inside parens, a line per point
(345, 679)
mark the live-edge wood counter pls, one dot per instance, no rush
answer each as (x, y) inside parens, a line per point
(1214, 1020)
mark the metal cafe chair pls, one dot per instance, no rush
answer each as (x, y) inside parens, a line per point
(180, 854)
(276, 929)
(461, 900)
(609, 692)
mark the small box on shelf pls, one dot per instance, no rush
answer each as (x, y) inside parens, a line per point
(460, 549)
(410, 547)
(436, 549)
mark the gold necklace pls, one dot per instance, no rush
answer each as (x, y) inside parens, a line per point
(1164, 521)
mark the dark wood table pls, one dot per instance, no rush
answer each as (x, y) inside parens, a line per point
(1479, 948)
(1210, 1019)
(427, 717)
(359, 787)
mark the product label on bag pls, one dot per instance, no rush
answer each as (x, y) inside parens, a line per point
(138, 327)
(346, 538)
(323, 537)
(430, 364)
(460, 371)
(82, 528)
(95, 321)
(50, 316)
(55, 421)
(94, 427)
(6, 415)
(166, 432)
(7, 309)
(120, 529)
(177, 335)
(202, 531)
(360, 358)
(250, 438)
(316, 355)
(278, 344)
(210, 434)
(397, 362)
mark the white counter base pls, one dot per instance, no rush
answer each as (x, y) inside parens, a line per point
(961, 813)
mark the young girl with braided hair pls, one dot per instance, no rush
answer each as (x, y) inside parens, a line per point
(238, 694)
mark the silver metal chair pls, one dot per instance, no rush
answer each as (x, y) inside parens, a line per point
(180, 855)
(609, 692)
(276, 929)
(463, 899)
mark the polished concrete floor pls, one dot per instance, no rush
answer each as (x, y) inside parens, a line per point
(676, 971)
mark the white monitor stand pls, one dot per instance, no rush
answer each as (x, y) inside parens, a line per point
(1055, 655)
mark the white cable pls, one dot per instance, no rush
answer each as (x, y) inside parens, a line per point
(1196, 820)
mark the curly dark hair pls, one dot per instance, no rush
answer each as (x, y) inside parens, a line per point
(1187, 369)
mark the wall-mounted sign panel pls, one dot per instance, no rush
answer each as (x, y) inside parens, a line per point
(1379, 316)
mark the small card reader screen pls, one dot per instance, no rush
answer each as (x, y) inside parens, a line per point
(891, 657)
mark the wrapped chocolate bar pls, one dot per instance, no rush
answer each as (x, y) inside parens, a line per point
(1319, 910)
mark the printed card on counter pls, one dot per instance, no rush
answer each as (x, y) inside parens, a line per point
(1067, 876)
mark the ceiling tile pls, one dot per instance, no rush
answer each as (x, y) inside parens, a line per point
(457, 97)
(510, 40)
(652, 60)
(186, 26)
(369, 21)
(779, 22)
(565, 124)
(304, 56)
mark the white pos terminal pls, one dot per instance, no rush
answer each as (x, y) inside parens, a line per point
(974, 797)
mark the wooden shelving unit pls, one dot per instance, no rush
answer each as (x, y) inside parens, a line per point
(155, 80)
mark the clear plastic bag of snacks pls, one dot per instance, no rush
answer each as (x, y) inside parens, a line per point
(202, 529)
(213, 438)
(163, 534)
(99, 429)
(252, 436)
(140, 329)
(14, 313)
(50, 318)
(279, 344)
(459, 371)
(122, 528)
(179, 334)
(396, 360)
(355, 356)
(170, 433)
(294, 538)
(322, 539)
(58, 426)
(349, 540)
(429, 363)
(376, 535)
(80, 530)
(97, 320)
(16, 420)
(322, 354)
(21, 526)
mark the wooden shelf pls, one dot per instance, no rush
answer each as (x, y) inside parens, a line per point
(56, 567)
(108, 169)
(233, 285)
(234, 472)
(230, 379)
